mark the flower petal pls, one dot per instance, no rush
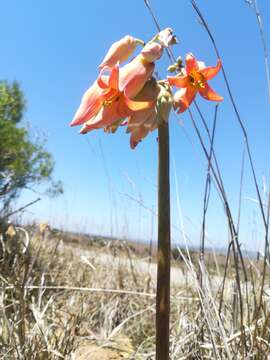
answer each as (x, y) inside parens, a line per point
(101, 79)
(120, 51)
(209, 94)
(101, 83)
(149, 93)
(183, 98)
(191, 63)
(122, 109)
(152, 52)
(178, 81)
(138, 118)
(90, 105)
(105, 117)
(138, 105)
(137, 136)
(114, 78)
(109, 94)
(113, 127)
(151, 123)
(141, 131)
(211, 71)
(134, 75)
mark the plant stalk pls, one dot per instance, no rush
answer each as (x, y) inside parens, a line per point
(164, 246)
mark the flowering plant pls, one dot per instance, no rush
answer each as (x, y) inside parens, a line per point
(131, 96)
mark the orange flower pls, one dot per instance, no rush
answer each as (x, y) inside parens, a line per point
(110, 99)
(194, 79)
(120, 51)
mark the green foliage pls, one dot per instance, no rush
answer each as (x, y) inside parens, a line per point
(24, 163)
(12, 102)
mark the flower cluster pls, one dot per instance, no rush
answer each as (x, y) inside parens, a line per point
(131, 96)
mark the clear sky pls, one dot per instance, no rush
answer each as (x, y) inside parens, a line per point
(53, 49)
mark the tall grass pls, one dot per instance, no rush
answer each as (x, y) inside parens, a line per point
(63, 293)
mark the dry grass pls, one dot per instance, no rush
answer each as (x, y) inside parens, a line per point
(56, 297)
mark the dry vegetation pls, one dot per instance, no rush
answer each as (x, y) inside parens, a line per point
(60, 299)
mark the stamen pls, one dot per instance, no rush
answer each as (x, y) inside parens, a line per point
(197, 80)
(192, 80)
(114, 98)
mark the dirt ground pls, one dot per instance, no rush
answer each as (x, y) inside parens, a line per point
(117, 349)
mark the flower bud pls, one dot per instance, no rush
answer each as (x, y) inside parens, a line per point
(172, 68)
(164, 102)
(166, 37)
(179, 61)
(120, 51)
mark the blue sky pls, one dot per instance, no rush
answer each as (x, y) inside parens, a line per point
(53, 49)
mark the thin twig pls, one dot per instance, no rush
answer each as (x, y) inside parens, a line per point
(234, 236)
(207, 192)
(240, 190)
(193, 2)
(168, 50)
(264, 44)
(83, 289)
(22, 208)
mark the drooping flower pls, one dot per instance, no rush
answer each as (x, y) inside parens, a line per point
(116, 105)
(110, 99)
(120, 51)
(194, 79)
(142, 122)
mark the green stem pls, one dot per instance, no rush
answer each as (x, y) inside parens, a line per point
(164, 246)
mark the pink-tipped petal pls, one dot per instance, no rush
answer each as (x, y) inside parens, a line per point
(137, 135)
(211, 71)
(209, 94)
(90, 105)
(119, 51)
(105, 117)
(191, 63)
